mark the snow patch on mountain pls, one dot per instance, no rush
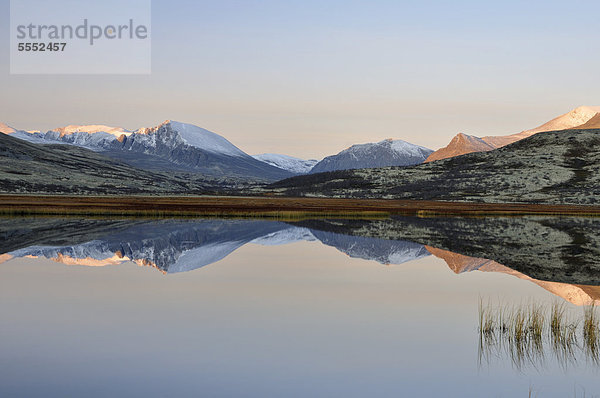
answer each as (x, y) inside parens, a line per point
(285, 162)
(6, 129)
(92, 129)
(204, 255)
(405, 148)
(206, 140)
(95, 137)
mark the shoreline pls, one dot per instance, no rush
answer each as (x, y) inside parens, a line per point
(269, 207)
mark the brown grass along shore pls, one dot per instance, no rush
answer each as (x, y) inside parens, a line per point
(276, 207)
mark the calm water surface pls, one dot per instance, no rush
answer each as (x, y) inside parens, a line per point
(234, 308)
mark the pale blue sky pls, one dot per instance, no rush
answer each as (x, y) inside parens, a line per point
(309, 78)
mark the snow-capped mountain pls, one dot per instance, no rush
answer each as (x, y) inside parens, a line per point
(381, 154)
(100, 137)
(168, 146)
(577, 118)
(289, 163)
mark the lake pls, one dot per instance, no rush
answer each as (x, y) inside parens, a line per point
(320, 308)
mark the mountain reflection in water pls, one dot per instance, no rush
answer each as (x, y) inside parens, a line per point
(558, 254)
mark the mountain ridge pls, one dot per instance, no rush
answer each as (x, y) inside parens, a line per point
(574, 119)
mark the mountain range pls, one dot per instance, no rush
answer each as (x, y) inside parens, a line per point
(175, 157)
(173, 246)
(175, 146)
(170, 146)
(561, 167)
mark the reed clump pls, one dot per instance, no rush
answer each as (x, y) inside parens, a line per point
(526, 332)
(562, 333)
(591, 334)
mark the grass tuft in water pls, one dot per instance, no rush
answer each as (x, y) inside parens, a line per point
(562, 334)
(525, 331)
(591, 333)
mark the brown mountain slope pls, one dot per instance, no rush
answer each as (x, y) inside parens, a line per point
(460, 145)
(577, 118)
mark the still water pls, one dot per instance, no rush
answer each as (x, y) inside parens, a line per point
(250, 308)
